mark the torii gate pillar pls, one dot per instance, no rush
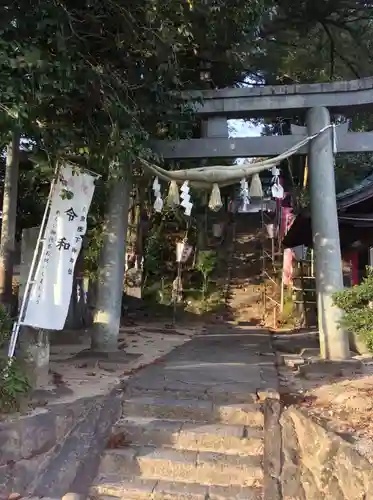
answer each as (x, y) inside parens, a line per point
(334, 341)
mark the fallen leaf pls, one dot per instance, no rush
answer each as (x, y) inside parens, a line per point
(14, 496)
(119, 440)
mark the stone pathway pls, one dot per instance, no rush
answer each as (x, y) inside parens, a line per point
(192, 424)
(245, 278)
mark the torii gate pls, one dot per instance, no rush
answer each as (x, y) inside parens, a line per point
(215, 107)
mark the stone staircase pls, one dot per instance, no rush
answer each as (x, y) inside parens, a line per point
(192, 425)
(184, 449)
(245, 283)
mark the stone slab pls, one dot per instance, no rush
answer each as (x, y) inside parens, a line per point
(291, 360)
(73, 464)
(167, 464)
(272, 449)
(221, 438)
(158, 407)
(291, 473)
(240, 414)
(212, 366)
(30, 435)
(331, 368)
(154, 432)
(129, 487)
(226, 439)
(179, 491)
(134, 488)
(225, 470)
(330, 467)
(27, 442)
(234, 493)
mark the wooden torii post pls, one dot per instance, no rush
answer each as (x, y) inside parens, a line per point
(215, 107)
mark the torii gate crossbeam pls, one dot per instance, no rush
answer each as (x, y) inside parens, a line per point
(246, 147)
(283, 100)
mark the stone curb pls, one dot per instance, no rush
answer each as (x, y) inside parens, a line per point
(26, 436)
(44, 454)
(320, 464)
(28, 442)
(272, 461)
(272, 449)
(74, 463)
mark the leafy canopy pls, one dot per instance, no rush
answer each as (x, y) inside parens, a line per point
(101, 76)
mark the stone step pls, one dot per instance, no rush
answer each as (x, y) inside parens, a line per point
(167, 464)
(220, 438)
(195, 411)
(133, 488)
(236, 393)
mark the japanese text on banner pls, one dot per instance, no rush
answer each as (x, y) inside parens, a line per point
(51, 290)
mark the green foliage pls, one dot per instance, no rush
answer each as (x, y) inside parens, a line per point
(287, 316)
(206, 264)
(14, 385)
(206, 261)
(92, 252)
(155, 246)
(98, 79)
(197, 302)
(13, 382)
(5, 327)
(357, 306)
(160, 249)
(95, 81)
(317, 41)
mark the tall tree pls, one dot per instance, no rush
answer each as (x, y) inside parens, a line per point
(8, 220)
(99, 79)
(317, 41)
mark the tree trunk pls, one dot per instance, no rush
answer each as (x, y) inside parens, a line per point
(111, 270)
(9, 218)
(77, 309)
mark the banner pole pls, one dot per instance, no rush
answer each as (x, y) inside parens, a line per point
(17, 324)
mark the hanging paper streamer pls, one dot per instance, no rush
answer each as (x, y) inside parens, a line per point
(245, 198)
(158, 204)
(215, 203)
(256, 190)
(335, 146)
(203, 177)
(270, 230)
(276, 189)
(185, 197)
(173, 198)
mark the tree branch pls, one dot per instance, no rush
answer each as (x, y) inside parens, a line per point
(341, 56)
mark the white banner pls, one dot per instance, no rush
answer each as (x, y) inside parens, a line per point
(49, 299)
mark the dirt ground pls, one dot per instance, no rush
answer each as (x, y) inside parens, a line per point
(342, 402)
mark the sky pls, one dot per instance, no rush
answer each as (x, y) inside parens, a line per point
(242, 128)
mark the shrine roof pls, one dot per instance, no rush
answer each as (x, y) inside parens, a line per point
(356, 194)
